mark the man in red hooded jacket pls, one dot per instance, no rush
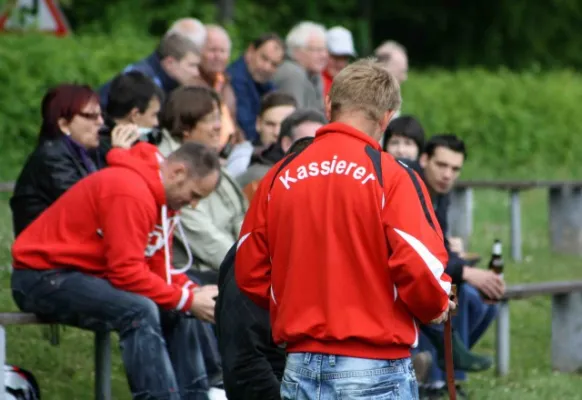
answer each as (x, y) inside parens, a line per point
(99, 258)
(341, 243)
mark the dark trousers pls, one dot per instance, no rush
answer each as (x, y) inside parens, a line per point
(161, 350)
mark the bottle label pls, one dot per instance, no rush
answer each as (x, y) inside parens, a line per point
(497, 249)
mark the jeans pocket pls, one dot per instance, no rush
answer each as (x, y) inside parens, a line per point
(388, 391)
(37, 298)
(289, 390)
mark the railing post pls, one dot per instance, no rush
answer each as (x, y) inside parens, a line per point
(2, 362)
(502, 350)
(461, 214)
(515, 213)
(102, 365)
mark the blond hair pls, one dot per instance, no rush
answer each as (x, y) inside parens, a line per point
(365, 86)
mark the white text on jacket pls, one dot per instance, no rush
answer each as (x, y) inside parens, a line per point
(327, 167)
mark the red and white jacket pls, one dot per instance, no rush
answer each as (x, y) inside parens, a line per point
(341, 242)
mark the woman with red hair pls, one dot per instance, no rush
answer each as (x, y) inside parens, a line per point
(71, 118)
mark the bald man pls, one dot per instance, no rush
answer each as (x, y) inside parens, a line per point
(190, 28)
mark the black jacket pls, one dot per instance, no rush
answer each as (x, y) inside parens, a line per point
(441, 204)
(51, 169)
(252, 364)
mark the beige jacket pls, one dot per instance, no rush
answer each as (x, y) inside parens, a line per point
(213, 226)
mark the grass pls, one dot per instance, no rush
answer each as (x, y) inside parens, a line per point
(66, 371)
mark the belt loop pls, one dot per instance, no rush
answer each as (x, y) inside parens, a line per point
(332, 360)
(307, 358)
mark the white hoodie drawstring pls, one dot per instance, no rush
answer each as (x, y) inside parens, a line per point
(166, 231)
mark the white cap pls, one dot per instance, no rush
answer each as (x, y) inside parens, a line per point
(340, 42)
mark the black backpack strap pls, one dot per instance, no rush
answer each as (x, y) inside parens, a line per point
(286, 162)
(376, 158)
(419, 192)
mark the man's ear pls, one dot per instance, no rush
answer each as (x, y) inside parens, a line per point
(286, 143)
(258, 124)
(385, 121)
(327, 107)
(133, 115)
(177, 172)
(423, 160)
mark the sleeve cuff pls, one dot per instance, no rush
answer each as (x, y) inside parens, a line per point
(186, 300)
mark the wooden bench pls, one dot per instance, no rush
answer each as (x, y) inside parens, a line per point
(565, 212)
(102, 353)
(566, 342)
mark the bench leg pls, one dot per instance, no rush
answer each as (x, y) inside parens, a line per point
(567, 332)
(502, 340)
(2, 362)
(515, 226)
(102, 366)
(566, 220)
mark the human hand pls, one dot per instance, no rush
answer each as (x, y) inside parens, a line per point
(443, 317)
(203, 304)
(488, 282)
(124, 135)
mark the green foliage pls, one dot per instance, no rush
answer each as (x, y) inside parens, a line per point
(516, 125)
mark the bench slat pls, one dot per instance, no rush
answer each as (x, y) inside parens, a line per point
(545, 288)
(18, 318)
(515, 184)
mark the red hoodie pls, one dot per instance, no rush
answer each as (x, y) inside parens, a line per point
(104, 224)
(343, 245)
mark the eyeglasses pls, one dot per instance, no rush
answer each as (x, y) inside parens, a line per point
(92, 116)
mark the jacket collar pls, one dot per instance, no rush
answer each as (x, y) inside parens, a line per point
(344, 129)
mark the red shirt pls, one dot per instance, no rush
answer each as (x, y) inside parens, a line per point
(327, 81)
(343, 245)
(113, 224)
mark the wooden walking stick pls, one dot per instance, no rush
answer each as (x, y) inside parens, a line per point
(449, 367)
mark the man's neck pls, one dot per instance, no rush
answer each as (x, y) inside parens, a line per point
(359, 122)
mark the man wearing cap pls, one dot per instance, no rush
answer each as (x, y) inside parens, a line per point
(340, 46)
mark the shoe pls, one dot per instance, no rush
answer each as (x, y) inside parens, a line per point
(421, 363)
(461, 393)
(216, 394)
(432, 393)
(463, 359)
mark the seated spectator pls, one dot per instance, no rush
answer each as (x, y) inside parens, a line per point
(174, 63)
(340, 46)
(134, 102)
(71, 118)
(190, 28)
(107, 265)
(213, 63)
(300, 74)
(275, 107)
(394, 57)
(301, 123)
(210, 229)
(440, 165)
(253, 365)
(251, 78)
(404, 138)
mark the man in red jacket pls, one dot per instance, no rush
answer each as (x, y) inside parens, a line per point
(342, 244)
(98, 258)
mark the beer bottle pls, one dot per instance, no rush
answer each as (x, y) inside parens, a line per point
(495, 265)
(496, 262)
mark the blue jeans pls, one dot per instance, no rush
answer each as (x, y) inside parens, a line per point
(472, 320)
(327, 377)
(160, 349)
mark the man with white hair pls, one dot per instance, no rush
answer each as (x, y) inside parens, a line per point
(215, 55)
(393, 55)
(300, 74)
(190, 28)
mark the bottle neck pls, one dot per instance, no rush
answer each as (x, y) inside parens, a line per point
(496, 249)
